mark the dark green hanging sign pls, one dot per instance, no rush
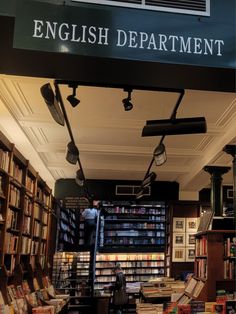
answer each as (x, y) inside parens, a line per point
(133, 34)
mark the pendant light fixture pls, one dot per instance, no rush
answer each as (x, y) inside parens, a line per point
(72, 153)
(52, 103)
(159, 155)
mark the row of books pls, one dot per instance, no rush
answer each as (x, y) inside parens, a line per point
(30, 184)
(37, 229)
(228, 307)
(230, 247)
(142, 277)
(12, 220)
(130, 257)
(16, 171)
(42, 197)
(14, 198)
(25, 245)
(127, 271)
(26, 225)
(4, 160)
(134, 233)
(145, 225)
(230, 269)
(131, 264)
(133, 241)
(201, 246)
(201, 268)
(151, 218)
(28, 205)
(135, 210)
(10, 243)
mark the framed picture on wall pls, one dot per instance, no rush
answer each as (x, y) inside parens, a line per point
(178, 224)
(190, 254)
(178, 255)
(178, 239)
(191, 224)
(190, 239)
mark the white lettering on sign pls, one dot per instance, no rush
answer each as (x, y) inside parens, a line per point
(70, 32)
(129, 39)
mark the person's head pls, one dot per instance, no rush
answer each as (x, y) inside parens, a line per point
(117, 268)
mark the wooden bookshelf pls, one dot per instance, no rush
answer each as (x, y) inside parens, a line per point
(25, 209)
(214, 263)
(133, 227)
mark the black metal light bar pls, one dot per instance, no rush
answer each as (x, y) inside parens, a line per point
(175, 127)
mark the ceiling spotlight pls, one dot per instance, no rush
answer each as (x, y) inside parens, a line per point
(126, 101)
(148, 179)
(52, 103)
(72, 153)
(159, 155)
(79, 178)
(71, 98)
(175, 126)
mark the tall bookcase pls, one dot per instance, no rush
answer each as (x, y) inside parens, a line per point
(25, 209)
(134, 236)
(215, 262)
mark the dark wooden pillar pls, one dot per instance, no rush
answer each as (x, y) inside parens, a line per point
(231, 149)
(216, 187)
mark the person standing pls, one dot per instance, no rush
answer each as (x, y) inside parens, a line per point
(120, 297)
(89, 214)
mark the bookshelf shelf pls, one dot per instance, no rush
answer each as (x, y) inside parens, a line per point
(216, 266)
(20, 236)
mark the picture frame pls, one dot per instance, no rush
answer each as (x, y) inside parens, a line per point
(178, 254)
(178, 224)
(190, 239)
(178, 239)
(191, 224)
(190, 254)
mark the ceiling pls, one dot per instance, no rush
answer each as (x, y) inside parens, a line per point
(109, 138)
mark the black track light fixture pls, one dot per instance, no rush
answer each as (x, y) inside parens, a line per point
(72, 153)
(126, 101)
(148, 179)
(72, 98)
(79, 178)
(159, 154)
(175, 126)
(52, 102)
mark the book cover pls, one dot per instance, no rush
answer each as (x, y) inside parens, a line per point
(184, 309)
(197, 306)
(230, 307)
(219, 308)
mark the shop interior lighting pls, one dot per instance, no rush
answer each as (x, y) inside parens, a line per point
(79, 178)
(72, 98)
(72, 153)
(175, 126)
(52, 103)
(159, 155)
(126, 101)
(149, 179)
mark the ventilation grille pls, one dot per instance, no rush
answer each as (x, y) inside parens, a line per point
(195, 7)
(131, 190)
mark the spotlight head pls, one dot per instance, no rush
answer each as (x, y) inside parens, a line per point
(73, 101)
(126, 101)
(127, 104)
(79, 178)
(174, 127)
(148, 179)
(159, 155)
(52, 103)
(72, 153)
(71, 98)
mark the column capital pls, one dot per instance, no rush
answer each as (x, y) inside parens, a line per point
(230, 149)
(216, 170)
